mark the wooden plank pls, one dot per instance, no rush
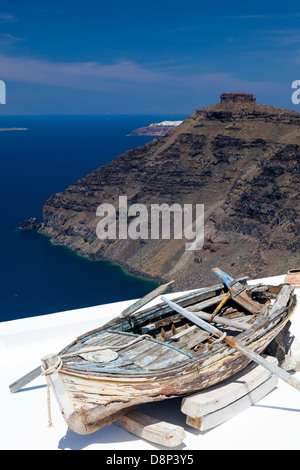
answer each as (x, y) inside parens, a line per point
(102, 336)
(156, 325)
(164, 344)
(143, 360)
(152, 349)
(182, 333)
(166, 359)
(206, 422)
(221, 395)
(115, 366)
(224, 321)
(197, 338)
(187, 299)
(134, 349)
(206, 303)
(144, 300)
(188, 338)
(239, 296)
(151, 429)
(108, 341)
(282, 299)
(26, 379)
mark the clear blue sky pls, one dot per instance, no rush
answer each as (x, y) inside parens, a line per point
(138, 57)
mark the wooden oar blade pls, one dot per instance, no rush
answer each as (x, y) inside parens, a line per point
(145, 300)
(26, 379)
(282, 374)
(238, 293)
(225, 278)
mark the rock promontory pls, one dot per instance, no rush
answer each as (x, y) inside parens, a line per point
(30, 224)
(238, 158)
(156, 128)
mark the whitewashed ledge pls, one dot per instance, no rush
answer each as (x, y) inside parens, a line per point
(272, 423)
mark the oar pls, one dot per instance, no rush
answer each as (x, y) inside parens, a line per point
(26, 379)
(144, 300)
(218, 308)
(20, 383)
(238, 293)
(282, 374)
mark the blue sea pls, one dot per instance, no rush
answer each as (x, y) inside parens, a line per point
(36, 277)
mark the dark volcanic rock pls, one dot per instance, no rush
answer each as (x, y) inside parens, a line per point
(235, 97)
(30, 224)
(238, 158)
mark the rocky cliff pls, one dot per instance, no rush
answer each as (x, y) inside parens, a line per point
(238, 158)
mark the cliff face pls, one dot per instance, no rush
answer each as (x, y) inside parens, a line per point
(238, 158)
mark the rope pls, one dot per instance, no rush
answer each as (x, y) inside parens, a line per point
(46, 372)
(58, 365)
(220, 339)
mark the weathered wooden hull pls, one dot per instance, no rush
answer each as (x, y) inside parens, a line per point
(91, 401)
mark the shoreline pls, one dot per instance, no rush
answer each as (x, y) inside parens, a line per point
(127, 269)
(103, 281)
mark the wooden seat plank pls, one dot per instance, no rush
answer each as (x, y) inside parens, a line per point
(206, 422)
(151, 429)
(224, 393)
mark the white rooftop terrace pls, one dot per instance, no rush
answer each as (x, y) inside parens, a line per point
(271, 423)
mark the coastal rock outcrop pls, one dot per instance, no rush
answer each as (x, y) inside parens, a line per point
(30, 224)
(156, 128)
(238, 158)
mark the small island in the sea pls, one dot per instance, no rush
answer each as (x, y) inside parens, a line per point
(13, 129)
(157, 128)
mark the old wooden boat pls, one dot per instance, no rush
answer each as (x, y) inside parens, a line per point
(156, 353)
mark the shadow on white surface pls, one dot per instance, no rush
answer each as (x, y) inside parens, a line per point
(168, 410)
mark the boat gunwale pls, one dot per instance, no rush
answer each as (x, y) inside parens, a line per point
(146, 377)
(117, 321)
(220, 348)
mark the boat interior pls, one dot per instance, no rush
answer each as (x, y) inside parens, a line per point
(156, 338)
